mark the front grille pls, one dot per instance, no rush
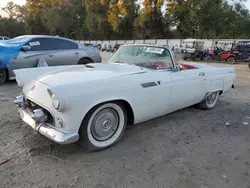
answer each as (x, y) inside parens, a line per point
(31, 106)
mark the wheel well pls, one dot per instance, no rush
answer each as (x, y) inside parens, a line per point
(127, 106)
(130, 112)
(87, 59)
(232, 57)
(7, 73)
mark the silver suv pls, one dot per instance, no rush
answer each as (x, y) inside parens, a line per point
(53, 49)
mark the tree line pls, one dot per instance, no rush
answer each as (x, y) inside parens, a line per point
(127, 19)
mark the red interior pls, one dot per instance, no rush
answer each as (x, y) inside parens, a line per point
(160, 65)
(187, 67)
(163, 65)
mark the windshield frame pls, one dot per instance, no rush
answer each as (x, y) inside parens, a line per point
(173, 59)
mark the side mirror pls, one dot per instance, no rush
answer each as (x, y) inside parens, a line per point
(26, 48)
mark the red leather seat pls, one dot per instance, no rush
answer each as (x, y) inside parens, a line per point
(187, 67)
(160, 65)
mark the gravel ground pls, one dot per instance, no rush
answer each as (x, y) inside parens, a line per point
(189, 148)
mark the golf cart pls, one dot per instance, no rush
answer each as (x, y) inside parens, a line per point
(240, 51)
(109, 48)
(194, 48)
(104, 47)
(219, 48)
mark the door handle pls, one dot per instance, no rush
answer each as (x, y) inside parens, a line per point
(50, 55)
(77, 53)
(202, 74)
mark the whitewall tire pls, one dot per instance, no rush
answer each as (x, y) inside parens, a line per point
(103, 126)
(210, 101)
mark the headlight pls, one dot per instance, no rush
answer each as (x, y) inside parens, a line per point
(19, 83)
(55, 102)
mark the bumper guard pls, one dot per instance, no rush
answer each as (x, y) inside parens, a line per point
(37, 121)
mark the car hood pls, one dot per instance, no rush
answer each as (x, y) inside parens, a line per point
(64, 75)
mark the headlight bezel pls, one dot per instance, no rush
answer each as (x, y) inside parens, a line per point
(55, 103)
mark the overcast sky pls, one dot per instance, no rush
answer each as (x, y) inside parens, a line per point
(4, 2)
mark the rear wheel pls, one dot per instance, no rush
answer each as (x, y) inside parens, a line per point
(103, 126)
(3, 76)
(84, 61)
(210, 101)
(208, 59)
(231, 60)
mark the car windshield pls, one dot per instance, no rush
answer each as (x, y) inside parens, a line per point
(152, 57)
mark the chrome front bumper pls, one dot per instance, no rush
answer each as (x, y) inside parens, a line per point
(37, 121)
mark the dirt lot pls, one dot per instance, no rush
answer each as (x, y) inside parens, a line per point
(190, 148)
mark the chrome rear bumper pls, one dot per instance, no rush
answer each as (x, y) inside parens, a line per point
(37, 121)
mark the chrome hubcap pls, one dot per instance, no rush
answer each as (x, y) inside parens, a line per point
(104, 124)
(211, 98)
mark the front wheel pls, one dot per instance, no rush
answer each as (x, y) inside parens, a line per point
(103, 126)
(231, 60)
(208, 59)
(210, 101)
(3, 76)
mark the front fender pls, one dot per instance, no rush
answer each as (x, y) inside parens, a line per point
(108, 99)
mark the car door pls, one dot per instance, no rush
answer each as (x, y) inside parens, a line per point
(153, 99)
(66, 53)
(40, 48)
(188, 88)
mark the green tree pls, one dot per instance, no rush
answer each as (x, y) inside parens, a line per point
(97, 20)
(63, 18)
(150, 20)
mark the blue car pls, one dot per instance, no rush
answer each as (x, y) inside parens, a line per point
(26, 51)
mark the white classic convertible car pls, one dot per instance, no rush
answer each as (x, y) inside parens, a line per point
(93, 103)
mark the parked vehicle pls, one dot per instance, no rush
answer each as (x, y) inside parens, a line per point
(193, 49)
(93, 104)
(109, 48)
(54, 50)
(104, 47)
(218, 48)
(97, 46)
(115, 47)
(240, 51)
(4, 38)
(213, 55)
(178, 48)
(88, 44)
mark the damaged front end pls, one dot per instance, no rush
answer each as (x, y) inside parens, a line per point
(42, 121)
